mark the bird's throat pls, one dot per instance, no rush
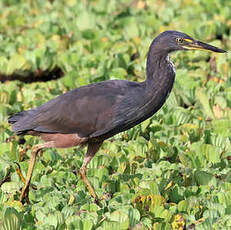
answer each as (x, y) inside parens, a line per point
(160, 72)
(160, 79)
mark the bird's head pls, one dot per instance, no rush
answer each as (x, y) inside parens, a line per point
(173, 40)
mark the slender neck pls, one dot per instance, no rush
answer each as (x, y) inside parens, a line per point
(152, 93)
(156, 59)
(160, 71)
(160, 77)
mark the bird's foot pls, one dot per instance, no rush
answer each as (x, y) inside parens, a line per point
(25, 191)
(24, 196)
(82, 172)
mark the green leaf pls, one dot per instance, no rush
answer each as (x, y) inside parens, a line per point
(162, 226)
(10, 187)
(11, 219)
(203, 178)
(182, 206)
(134, 216)
(16, 62)
(222, 127)
(204, 100)
(85, 20)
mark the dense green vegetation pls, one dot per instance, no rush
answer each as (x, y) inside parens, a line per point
(170, 172)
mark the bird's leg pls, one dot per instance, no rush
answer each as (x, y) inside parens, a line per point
(22, 153)
(19, 172)
(93, 147)
(35, 150)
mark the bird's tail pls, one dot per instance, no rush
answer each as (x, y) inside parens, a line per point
(14, 119)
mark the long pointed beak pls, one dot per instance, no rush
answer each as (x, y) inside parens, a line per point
(197, 45)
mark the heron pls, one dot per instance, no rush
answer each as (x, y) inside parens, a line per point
(88, 115)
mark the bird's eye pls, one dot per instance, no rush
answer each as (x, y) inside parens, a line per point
(179, 40)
